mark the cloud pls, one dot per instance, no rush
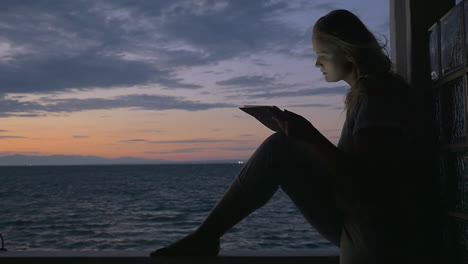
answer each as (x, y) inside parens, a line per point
(236, 29)
(12, 107)
(10, 153)
(253, 86)
(239, 148)
(310, 105)
(6, 137)
(340, 90)
(338, 108)
(133, 140)
(249, 80)
(84, 71)
(314, 5)
(200, 140)
(60, 45)
(78, 137)
(151, 131)
(192, 150)
(279, 90)
(260, 62)
(2, 130)
(190, 141)
(175, 151)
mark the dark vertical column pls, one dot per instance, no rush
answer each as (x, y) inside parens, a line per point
(422, 15)
(410, 21)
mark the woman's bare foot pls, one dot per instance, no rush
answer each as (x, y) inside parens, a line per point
(191, 245)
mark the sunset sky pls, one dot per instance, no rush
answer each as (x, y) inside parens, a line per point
(162, 79)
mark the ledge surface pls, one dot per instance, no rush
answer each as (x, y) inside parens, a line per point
(251, 257)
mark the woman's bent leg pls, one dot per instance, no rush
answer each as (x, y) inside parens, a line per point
(279, 161)
(237, 202)
(311, 191)
(290, 164)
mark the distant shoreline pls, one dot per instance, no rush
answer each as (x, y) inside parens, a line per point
(63, 160)
(128, 164)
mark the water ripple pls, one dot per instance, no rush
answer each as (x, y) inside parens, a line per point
(134, 208)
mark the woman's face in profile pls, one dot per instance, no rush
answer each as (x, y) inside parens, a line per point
(333, 64)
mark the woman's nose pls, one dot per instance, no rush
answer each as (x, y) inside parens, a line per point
(318, 63)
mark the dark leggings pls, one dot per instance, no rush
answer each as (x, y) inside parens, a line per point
(378, 234)
(281, 161)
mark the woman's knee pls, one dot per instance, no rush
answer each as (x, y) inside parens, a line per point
(272, 148)
(284, 146)
(290, 151)
(276, 139)
(263, 165)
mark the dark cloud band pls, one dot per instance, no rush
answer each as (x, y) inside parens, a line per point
(83, 44)
(12, 107)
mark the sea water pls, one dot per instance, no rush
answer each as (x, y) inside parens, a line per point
(135, 207)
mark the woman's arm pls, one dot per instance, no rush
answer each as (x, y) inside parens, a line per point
(296, 126)
(375, 146)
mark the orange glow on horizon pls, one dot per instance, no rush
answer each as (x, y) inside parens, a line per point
(118, 133)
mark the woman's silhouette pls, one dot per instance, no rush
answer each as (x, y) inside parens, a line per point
(365, 195)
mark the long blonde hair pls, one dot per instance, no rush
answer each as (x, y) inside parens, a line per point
(369, 59)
